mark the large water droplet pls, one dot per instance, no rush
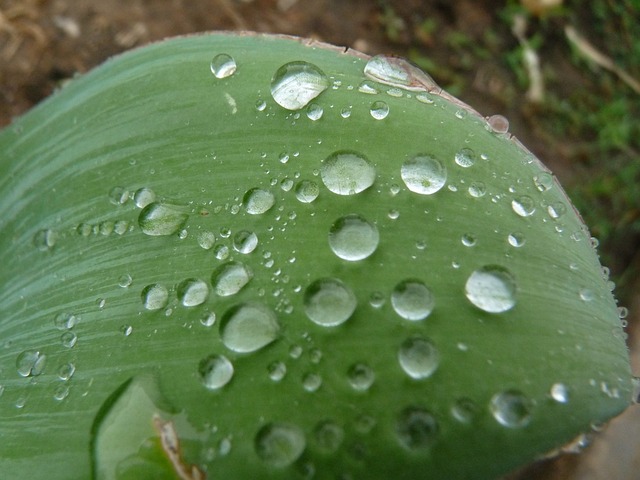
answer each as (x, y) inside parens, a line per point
(215, 371)
(279, 444)
(465, 157)
(353, 237)
(423, 174)
(511, 408)
(155, 296)
(523, 206)
(347, 173)
(223, 65)
(192, 292)
(329, 302)
(160, 219)
(230, 278)
(295, 84)
(360, 376)
(328, 436)
(245, 241)
(491, 288)
(398, 72)
(143, 197)
(412, 300)
(379, 110)
(418, 357)
(248, 327)
(257, 201)
(307, 191)
(416, 428)
(30, 363)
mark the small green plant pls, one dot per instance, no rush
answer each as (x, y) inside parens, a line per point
(250, 256)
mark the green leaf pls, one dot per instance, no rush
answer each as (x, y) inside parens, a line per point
(357, 276)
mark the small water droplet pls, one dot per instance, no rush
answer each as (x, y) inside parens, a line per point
(125, 281)
(61, 392)
(277, 371)
(206, 240)
(368, 88)
(245, 241)
(516, 239)
(30, 363)
(464, 410)
(423, 174)
(345, 112)
(295, 84)
(311, 382)
(559, 392)
(586, 294)
(118, 195)
(556, 210)
(417, 428)
(477, 189)
(376, 299)
(192, 292)
(157, 219)
(295, 351)
(45, 239)
(223, 65)
(328, 435)
(143, 197)
(230, 278)
(347, 173)
(543, 181)
(379, 110)
(523, 206)
(248, 327)
(66, 371)
(65, 321)
(398, 72)
(329, 302)
(412, 300)
(498, 124)
(68, 339)
(418, 357)
(353, 237)
(314, 112)
(257, 201)
(307, 191)
(511, 408)
(465, 157)
(279, 444)
(491, 288)
(361, 376)
(215, 371)
(155, 296)
(261, 105)
(468, 240)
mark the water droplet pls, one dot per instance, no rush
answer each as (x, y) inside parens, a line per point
(257, 201)
(556, 210)
(347, 173)
(307, 191)
(523, 206)
(66, 371)
(328, 436)
(423, 174)
(221, 252)
(295, 84)
(635, 396)
(379, 110)
(277, 371)
(223, 65)
(560, 392)
(314, 112)
(418, 357)
(125, 281)
(65, 321)
(516, 239)
(465, 157)
(143, 197)
(155, 296)
(230, 278)
(159, 219)
(279, 444)
(511, 408)
(68, 339)
(398, 72)
(353, 238)
(192, 292)
(61, 392)
(360, 376)
(477, 189)
(245, 241)
(376, 299)
(248, 327)
(311, 382)
(543, 181)
(416, 428)
(468, 240)
(464, 410)
(498, 124)
(206, 240)
(45, 239)
(412, 300)
(345, 112)
(30, 363)
(329, 302)
(491, 288)
(118, 195)
(215, 371)
(586, 295)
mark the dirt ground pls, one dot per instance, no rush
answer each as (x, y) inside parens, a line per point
(44, 42)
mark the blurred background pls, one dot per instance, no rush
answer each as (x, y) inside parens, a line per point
(565, 73)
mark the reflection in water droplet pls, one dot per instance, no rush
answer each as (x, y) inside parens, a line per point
(511, 408)
(277, 371)
(491, 288)
(523, 206)
(360, 376)
(223, 65)
(155, 296)
(416, 428)
(559, 392)
(230, 278)
(498, 124)
(464, 410)
(192, 292)
(279, 444)
(412, 300)
(353, 237)
(398, 72)
(30, 363)
(347, 173)
(295, 84)
(143, 197)
(379, 110)
(329, 302)
(215, 371)
(248, 327)
(158, 219)
(307, 191)
(245, 241)
(465, 157)
(257, 201)
(516, 239)
(418, 357)
(328, 436)
(423, 174)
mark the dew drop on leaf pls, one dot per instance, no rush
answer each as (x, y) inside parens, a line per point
(279, 444)
(416, 428)
(418, 357)
(361, 376)
(257, 201)
(347, 172)
(314, 112)
(465, 157)
(248, 327)
(353, 237)
(295, 84)
(559, 392)
(329, 302)
(511, 408)
(276, 371)
(412, 300)
(328, 436)
(245, 241)
(192, 292)
(143, 197)
(491, 288)
(307, 191)
(223, 66)
(155, 296)
(215, 371)
(157, 219)
(523, 206)
(398, 72)
(423, 174)
(311, 382)
(464, 410)
(379, 110)
(230, 278)
(30, 363)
